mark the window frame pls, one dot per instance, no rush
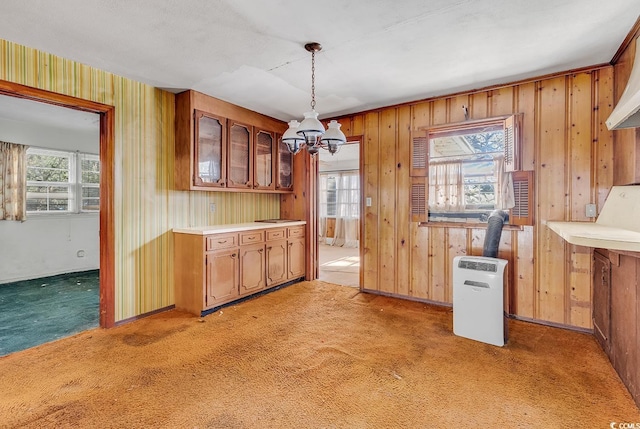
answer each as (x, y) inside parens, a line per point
(75, 185)
(421, 165)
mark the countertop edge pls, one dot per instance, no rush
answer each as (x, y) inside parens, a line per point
(567, 231)
(236, 227)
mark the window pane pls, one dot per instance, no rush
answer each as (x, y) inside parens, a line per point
(90, 204)
(90, 192)
(48, 198)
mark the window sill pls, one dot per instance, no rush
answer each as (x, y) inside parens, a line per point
(479, 225)
(44, 216)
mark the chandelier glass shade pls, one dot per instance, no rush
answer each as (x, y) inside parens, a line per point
(310, 133)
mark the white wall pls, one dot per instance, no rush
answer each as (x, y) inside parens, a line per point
(47, 245)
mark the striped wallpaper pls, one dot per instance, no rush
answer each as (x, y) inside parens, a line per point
(146, 205)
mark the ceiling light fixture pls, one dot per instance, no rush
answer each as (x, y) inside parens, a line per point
(310, 133)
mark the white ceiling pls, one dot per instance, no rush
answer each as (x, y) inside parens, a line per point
(375, 52)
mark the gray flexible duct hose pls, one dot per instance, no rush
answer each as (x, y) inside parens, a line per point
(494, 231)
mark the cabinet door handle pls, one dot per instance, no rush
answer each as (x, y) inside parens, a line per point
(233, 255)
(222, 241)
(269, 248)
(260, 250)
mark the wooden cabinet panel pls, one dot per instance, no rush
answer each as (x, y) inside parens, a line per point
(240, 162)
(251, 237)
(602, 300)
(222, 276)
(221, 241)
(264, 160)
(624, 320)
(295, 258)
(276, 262)
(210, 150)
(252, 268)
(295, 232)
(276, 234)
(284, 167)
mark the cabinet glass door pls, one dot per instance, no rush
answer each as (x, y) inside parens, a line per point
(209, 165)
(240, 172)
(263, 160)
(285, 167)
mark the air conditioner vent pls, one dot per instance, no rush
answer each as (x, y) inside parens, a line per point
(477, 266)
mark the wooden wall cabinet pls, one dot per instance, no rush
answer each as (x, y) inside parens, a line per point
(222, 147)
(215, 269)
(284, 167)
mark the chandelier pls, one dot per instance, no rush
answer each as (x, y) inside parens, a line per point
(310, 133)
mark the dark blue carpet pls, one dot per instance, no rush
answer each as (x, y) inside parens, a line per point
(37, 311)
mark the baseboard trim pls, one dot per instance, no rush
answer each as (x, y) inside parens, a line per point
(255, 295)
(511, 316)
(142, 316)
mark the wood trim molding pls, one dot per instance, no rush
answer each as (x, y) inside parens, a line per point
(631, 36)
(107, 231)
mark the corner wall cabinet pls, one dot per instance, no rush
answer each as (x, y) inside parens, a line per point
(214, 268)
(222, 147)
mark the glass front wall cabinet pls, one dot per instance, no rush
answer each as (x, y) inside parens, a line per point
(263, 160)
(284, 167)
(210, 150)
(240, 166)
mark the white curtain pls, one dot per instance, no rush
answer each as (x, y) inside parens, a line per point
(446, 187)
(504, 186)
(13, 181)
(346, 211)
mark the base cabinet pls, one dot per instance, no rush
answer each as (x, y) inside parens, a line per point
(295, 258)
(222, 276)
(252, 269)
(215, 269)
(616, 312)
(276, 262)
(602, 299)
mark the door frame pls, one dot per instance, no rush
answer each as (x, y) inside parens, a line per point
(313, 179)
(107, 149)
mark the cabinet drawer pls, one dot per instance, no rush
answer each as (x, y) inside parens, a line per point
(276, 234)
(251, 237)
(296, 231)
(222, 241)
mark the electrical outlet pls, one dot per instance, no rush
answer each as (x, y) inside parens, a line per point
(368, 201)
(590, 210)
(212, 207)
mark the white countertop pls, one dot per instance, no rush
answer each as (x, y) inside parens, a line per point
(596, 235)
(235, 227)
(617, 226)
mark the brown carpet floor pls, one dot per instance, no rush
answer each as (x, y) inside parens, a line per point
(313, 355)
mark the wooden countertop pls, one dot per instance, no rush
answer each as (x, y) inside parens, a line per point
(235, 227)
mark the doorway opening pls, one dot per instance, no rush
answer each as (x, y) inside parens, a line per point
(339, 215)
(106, 117)
(49, 262)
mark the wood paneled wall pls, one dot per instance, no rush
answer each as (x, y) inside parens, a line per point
(565, 142)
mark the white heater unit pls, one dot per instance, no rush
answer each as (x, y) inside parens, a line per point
(479, 299)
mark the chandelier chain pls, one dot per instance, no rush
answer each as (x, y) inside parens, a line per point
(313, 80)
